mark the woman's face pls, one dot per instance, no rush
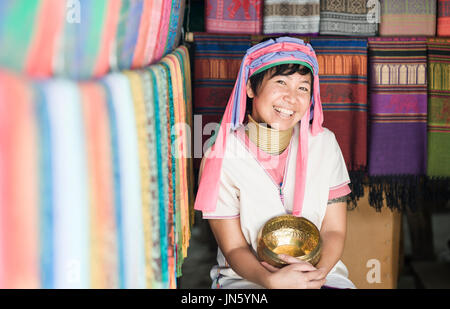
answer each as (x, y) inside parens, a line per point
(282, 100)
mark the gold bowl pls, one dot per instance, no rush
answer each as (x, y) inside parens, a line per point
(287, 234)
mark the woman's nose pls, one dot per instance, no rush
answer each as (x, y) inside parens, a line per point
(290, 97)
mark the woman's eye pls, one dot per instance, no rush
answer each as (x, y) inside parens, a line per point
(282, 82)
(303, 89)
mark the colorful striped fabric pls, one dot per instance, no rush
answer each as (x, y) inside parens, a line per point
(19, 191)
(291, 17)
(347, 17)
(343, 89)
(217, 62)
(133, 234)
(104, 262)
(443, 18)
(86, 38)
(439, 108)
(403, 17)
(70, 186)
(398, 116)
(233, 16)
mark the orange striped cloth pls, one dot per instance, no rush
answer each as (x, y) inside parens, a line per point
(19, 195)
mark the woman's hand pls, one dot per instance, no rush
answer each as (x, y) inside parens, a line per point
(297, 275)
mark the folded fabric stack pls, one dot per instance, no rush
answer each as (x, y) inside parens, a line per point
(398, 120)
(96, 184)
(86, 38)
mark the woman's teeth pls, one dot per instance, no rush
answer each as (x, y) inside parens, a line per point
(283, 112)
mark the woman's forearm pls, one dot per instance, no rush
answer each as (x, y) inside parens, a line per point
(246, 265)
(332, 248)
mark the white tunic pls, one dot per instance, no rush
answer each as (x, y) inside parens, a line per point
(248, 192)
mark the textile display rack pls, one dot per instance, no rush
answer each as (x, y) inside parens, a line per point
(95, 114)
(376, 72)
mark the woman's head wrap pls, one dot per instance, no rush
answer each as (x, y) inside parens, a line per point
(257, 59)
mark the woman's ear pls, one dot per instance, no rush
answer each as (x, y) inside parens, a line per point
(250, 92)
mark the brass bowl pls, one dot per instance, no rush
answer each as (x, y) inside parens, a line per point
(287, 234)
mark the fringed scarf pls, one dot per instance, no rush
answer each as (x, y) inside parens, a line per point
(403, 17)
(343, 84)
(291, 17)
(216, 65)
(398, 114)
(233, 16)
(348, 17)
(443, 18)
(19, 191)
(438, 168)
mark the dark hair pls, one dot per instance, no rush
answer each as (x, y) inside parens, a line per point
(282, 69)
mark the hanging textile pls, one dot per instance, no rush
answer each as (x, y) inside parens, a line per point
(217, 62)
(160, 84)
(130, 181)
(398, 115)
(19, 196)
(348, 17)
(46, 217)
(343, 89)
(443, 18)
(403, 17)
(17, 23)
(175, 25)
(70, 192)
(291, 17)
(49, 25)
(104, 263)
(163, 30)
(439, 108)
(233, 16)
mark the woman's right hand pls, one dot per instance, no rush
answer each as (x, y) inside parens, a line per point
(297, 275)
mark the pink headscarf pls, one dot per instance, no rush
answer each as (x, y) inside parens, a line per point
(257, 58)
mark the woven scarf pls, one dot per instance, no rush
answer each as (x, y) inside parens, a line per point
(176, 22)
(159, 79)
(46, 217)
(403, 17)
(147, 203)
(263, 55)
(133, 232)
(183, 55)
(152, 142)
(343, 85)
(70, 186)
(398, 114)
(49, 25)
(19, 196)
(348, 17)
(128, 32)
(291, 16)
(174, 170)
(104, 260)
(216, 65)
(81, 41)
(17, 22)
(117, 181)
(443, 18)
(438, 107)
(163, 30)
(233, 16)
